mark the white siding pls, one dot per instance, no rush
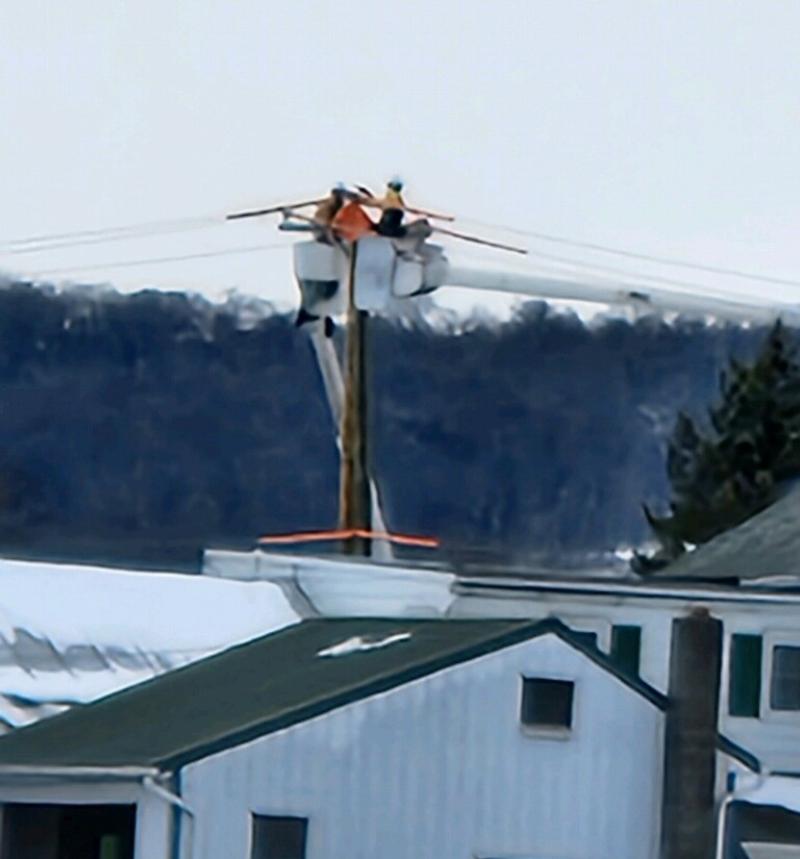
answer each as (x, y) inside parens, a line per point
(441, 767)
(593, 614)
(774, 737)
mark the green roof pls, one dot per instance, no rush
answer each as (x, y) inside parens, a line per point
(268, 684)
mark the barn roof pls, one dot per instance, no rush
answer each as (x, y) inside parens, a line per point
(269, 684)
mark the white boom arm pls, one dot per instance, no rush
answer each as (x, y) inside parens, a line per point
(383, 272)
(655, 298)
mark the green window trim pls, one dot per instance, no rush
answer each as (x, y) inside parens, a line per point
(744, 678)
(626, 648)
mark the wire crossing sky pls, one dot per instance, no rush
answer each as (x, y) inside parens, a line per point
(668, 131)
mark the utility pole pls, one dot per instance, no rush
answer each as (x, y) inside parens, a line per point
(354, 489)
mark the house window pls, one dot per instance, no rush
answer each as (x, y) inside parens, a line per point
(744, 681)
(784, 693)
(547, 703)
(278, 837)
(626, 646)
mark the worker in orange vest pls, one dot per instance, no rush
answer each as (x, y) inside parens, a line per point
(351, 221)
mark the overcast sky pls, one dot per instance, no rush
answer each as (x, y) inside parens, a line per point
(664, 127)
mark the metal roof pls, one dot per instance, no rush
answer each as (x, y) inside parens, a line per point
(766, 546)
(272, 683)
(265, 685)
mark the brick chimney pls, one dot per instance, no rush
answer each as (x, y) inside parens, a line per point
(688, 813)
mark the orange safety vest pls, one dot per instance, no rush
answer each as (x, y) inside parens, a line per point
(352, 222)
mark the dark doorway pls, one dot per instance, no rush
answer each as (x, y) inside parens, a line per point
(68, 831)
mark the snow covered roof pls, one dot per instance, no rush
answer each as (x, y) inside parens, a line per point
(342, 585)
(70, 634)
(348, 586)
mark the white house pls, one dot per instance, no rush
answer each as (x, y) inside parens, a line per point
(343, 738)
(631, 619)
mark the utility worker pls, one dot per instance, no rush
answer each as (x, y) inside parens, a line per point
(323, 218)
(351, 221)
(393, 208)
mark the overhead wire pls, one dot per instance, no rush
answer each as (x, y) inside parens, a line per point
(96, 240)
(597, 271)
(137, 229)
(547, 266)
(637, 278)
(634, 276)
(652, 258)
(629, 285)
(608, 275)
(57, 241)
(248, 249)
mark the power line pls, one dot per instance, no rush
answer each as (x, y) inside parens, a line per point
(563, 240)
(122, 237)
(56, 241)
(156, 260)
(636, 277)
(123, 231)
(634, 281)
(133, 230)
(610, 275)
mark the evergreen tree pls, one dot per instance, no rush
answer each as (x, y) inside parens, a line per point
(723, 475)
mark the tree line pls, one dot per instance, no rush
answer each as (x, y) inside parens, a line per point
(142, 428)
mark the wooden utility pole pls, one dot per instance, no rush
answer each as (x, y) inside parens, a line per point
(354, 489)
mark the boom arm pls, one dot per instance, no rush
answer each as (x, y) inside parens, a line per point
(657, 298)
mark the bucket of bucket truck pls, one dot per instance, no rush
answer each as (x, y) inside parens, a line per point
(384, 271)
(374, 271)
(321, 272)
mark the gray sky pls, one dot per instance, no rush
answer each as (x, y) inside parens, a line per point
(664, 127)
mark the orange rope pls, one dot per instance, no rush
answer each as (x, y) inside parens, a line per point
(348, 534)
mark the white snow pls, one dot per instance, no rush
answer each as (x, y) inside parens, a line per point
(340, 587)
(73, 633)
(783, 791)
(359, 644)
(765, 850)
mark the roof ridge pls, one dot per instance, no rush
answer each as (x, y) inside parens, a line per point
(286, 693)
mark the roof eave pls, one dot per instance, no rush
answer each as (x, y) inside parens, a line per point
(27, 773)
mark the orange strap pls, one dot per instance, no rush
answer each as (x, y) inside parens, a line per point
(348, 534)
